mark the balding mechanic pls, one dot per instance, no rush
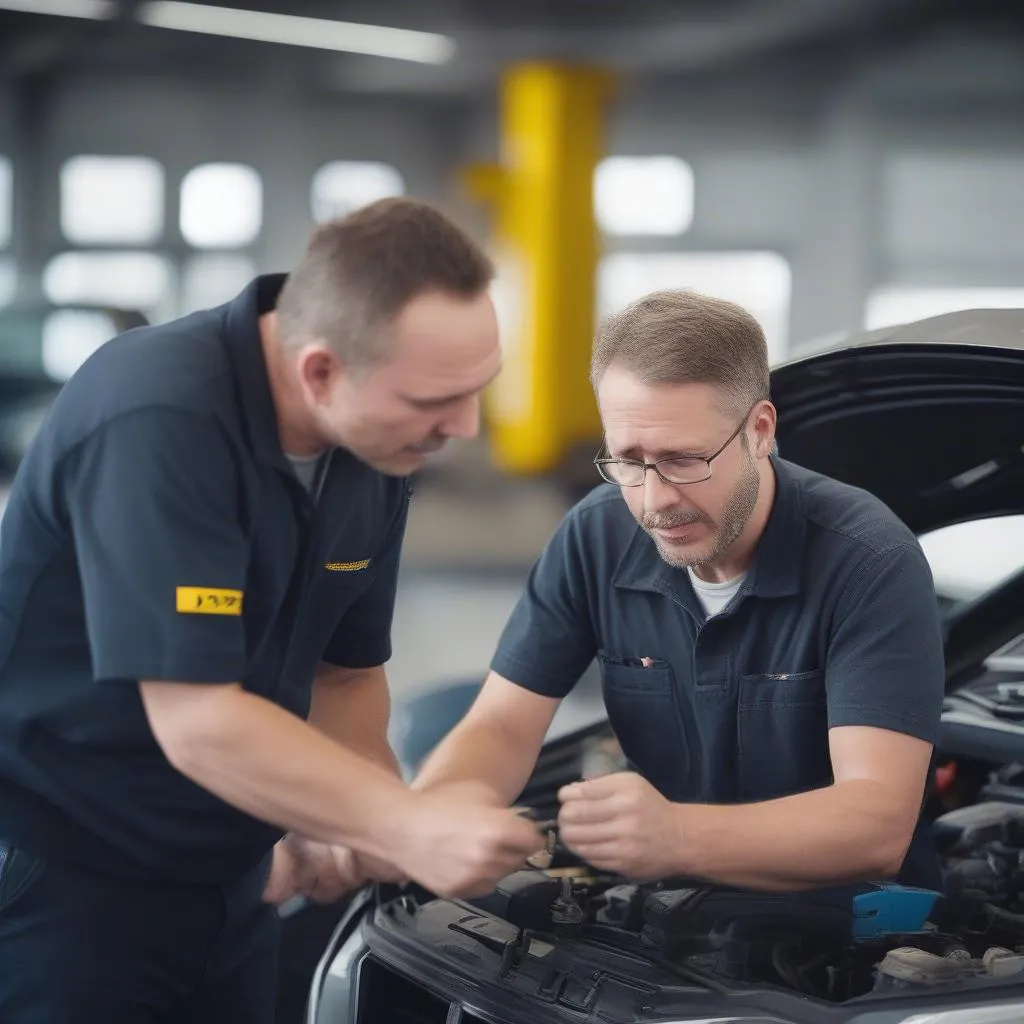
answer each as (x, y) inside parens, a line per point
(197, 575)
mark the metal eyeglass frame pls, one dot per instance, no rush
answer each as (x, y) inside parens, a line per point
(644, 466)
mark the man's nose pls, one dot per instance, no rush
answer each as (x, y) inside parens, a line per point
(658, 495)
(464, 420)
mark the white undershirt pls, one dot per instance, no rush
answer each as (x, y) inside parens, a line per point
(306, 468)
(714, 596)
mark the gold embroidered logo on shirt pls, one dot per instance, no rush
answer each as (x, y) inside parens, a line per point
(346, 566)
(208, 601)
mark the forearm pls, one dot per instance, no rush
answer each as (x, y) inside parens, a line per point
(267, 762)
(482, 757)
(845, 832)
(352, 707)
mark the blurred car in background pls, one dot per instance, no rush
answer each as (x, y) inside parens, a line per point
(40, 347)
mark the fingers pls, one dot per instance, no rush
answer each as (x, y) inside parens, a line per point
(607, 856)
(601, 788)
(524, 837)
(283, 881)
(377, 870)
(458, 847)
(591, 833)
(588, 812)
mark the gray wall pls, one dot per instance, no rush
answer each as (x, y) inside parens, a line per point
(907, 169)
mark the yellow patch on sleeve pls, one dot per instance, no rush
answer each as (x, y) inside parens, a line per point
(346, 566)
(208, 601)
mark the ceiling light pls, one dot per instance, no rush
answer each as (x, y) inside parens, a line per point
(295, 30)
(97, 9)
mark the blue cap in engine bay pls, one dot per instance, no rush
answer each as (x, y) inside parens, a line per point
(891, 909)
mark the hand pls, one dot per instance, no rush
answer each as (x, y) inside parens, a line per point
(621, 823)
(318, 871)
(454, 847)
(289, 874)
(375, 869)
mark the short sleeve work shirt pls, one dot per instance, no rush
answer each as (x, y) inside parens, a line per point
(156, 531)
(835, 624)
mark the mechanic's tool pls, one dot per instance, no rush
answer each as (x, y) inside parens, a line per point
(543, 858)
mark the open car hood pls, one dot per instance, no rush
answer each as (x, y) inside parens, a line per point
(928, 416)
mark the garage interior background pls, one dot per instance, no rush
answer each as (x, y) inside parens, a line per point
(831, 166)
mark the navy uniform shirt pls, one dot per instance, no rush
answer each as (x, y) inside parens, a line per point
(156, 530)
(835, 624)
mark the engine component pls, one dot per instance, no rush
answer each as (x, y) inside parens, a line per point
(1006, 784)
(566, 912)
(678, 915)
(967, 828)
(619, 906)
(523, 898)
(992, 874)
(665, 913)
(908, 966)
(1002, 963)
(891, 910)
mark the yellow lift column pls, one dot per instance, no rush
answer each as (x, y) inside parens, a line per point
(545, 245)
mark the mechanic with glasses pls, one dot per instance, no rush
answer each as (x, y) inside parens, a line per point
(768, 638)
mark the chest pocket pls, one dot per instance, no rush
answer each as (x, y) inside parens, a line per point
(644, 711)
(782, 734)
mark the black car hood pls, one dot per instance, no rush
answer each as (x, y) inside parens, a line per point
(928, 416)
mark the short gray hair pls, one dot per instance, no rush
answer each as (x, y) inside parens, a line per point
(683, 337)
(359, 272)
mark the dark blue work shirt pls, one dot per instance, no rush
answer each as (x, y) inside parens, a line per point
(835, 624)
(156, 531)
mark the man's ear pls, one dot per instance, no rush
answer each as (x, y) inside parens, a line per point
(764, 427)
(319, 369)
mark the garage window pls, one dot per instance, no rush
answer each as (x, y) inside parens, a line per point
(127, 280)
(211, 278)
(344, 185)
(112, 200)
(221, 206)
(760, 282)
(649, 195)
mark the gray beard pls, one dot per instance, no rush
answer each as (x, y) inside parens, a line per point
(735, 515)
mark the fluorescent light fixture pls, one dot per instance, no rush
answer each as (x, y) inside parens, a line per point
(295, 30)
(96, 9)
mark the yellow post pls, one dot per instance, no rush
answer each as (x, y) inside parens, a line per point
(545, 245)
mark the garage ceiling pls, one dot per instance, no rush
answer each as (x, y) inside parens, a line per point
(652, 40)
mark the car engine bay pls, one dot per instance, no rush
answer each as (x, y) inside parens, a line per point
(560, 933)
(834, 945)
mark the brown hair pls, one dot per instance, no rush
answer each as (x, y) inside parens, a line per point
(360, 271)
(683, 337)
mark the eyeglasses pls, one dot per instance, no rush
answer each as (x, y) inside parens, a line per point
(687, 469)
